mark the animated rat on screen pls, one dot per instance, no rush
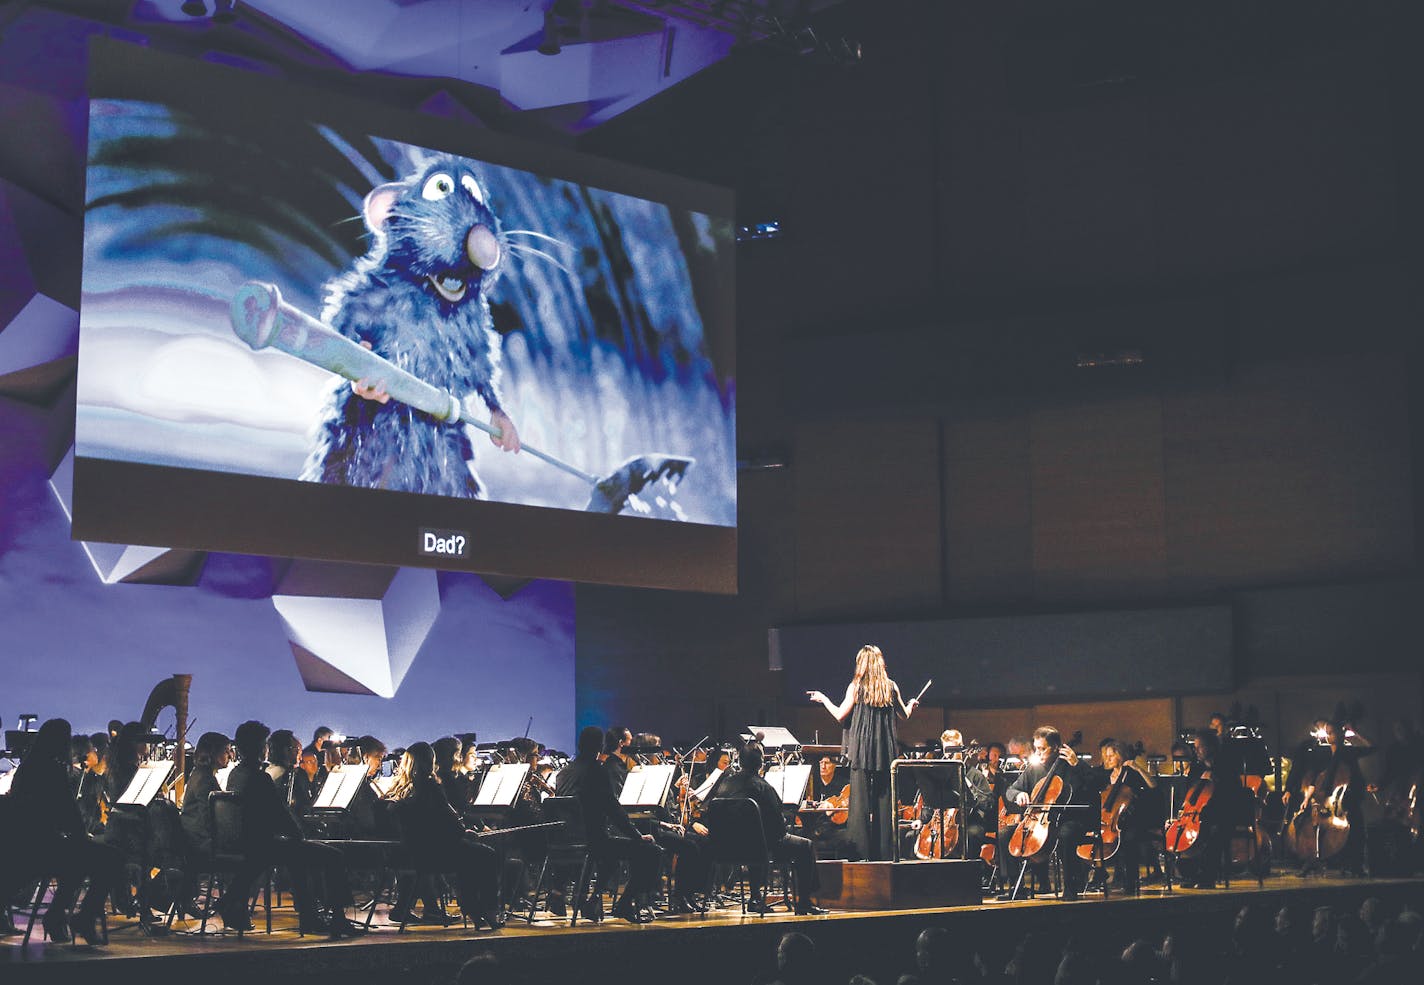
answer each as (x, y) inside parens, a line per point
(419, 298)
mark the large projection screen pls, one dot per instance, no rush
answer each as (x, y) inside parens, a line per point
(586, 306)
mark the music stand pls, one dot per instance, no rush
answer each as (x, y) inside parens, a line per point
(340, 788)
(790, 783)
(647, 788)
(145, 785)
(774, 737)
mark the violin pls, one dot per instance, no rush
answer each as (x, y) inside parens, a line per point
(1032, 839)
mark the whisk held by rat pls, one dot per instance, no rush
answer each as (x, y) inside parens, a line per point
(420, 299)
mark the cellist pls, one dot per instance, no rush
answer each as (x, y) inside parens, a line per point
(1071, 824)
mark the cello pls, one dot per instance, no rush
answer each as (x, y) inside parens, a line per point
(1032, 840)
(1117, 797)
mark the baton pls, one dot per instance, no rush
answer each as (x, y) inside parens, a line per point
(924, 689)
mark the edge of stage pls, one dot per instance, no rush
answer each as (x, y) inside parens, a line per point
(719, 947)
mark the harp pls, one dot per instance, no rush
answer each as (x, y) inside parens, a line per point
(171, 692)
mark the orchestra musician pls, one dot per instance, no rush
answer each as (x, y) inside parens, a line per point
(785, 846)
(306, 781)
(611, 835)
(458, 788)
(1072, 824)
(978, 806)
(872, 701)
(212, 753)
(284, 750)
(1118, 769)
(616, 760)
(1203, 869)
(271, 836)
(821, 821)
(433, 834)
(50, 838)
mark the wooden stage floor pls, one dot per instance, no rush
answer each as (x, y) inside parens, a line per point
(718, 947)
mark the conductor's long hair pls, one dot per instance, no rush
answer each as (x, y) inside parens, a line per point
(872, 686)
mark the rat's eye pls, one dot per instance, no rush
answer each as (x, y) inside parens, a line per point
(473, 187)
(437, 186)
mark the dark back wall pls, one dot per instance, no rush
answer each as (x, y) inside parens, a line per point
(991, 195)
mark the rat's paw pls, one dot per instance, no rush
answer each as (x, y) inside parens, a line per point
(367, 390)
(508, 439)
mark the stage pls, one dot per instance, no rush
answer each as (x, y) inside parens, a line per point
(723, 946)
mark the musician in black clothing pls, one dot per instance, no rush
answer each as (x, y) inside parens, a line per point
(434, 836)
(212, 753)
(1116, 772)
(50, 838)
(88, 782)
(785, 847)
(615, 759)
(306, 781)
(271, 836)
(829, 789)
(459, 791)
(368, 816)
(611, 836)
(1068, 825)
(1203, 868)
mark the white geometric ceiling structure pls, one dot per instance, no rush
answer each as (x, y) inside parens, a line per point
(362, 635)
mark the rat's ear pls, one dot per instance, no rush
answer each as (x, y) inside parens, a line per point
(379, 205)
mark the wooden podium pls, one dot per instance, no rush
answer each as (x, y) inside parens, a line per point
(900, 885)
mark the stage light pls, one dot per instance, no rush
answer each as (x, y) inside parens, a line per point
(224, 11)
(550, 44)
(194, 8)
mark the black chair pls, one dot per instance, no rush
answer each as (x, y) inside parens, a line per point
(229, 855)
(736, 838)
(567, 845)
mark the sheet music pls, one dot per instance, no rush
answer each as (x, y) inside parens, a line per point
(701, 792)
(146, 783)
(384, 784)
(502, 784)
(341, 786)
(790, 782)
(5, 780)
(647, 786)
(553, 781)
(223, 774)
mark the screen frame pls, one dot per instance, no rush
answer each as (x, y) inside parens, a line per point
(132, 503)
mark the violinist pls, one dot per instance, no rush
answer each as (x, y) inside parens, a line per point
(284, 751)
(1049, 754)
(871, 703)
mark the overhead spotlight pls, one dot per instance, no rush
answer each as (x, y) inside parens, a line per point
(550, 44)
(224, 11)
(194, 8)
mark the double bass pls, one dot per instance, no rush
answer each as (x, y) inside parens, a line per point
(1320, 828)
